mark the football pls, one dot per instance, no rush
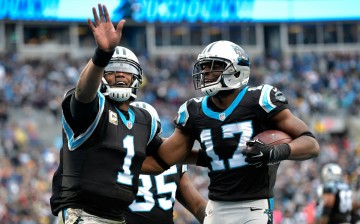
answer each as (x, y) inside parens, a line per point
(273, 137)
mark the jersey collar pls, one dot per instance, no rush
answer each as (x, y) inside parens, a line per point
(221, 116)
(128, 123)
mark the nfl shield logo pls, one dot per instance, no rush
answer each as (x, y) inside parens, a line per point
(129, 125)
(222, 116)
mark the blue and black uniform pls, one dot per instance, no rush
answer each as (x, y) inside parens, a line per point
(223, 136)
(156, 197)
(101, 157)
(342, 208)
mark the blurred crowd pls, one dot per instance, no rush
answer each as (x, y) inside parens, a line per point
(31, 92)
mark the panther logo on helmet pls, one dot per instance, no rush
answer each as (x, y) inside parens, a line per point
(239, 50)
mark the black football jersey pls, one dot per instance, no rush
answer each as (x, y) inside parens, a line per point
(156, 197)
(341, 211)
(223, 136)
(99, 167)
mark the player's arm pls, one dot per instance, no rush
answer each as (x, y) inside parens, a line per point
(107, 38)
(304, 145)
(176, 148)
(190, 198)
(329, 201)
(151, 165)
(88, 83)
(355, 205)
(192, 157)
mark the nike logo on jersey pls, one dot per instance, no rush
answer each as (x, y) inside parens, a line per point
(255, 209)
(259, 155)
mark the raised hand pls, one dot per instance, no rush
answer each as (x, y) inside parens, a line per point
(106, 36)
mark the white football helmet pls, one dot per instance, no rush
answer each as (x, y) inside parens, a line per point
(235, 72)
(123, 60)
(152, 111)
(331, 172)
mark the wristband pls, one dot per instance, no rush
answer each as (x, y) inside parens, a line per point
(202, 159)
(101, 58)
(280, 152)
(307, 133)
(161, 162)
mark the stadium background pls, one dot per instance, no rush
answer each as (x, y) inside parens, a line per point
(308, 49)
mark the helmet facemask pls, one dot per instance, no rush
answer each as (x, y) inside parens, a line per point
(200, 75)
(234, 73)
(331, 173)
(124, 61)
(121, 94)
(230, 78)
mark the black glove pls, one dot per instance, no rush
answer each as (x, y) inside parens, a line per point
(257, 153)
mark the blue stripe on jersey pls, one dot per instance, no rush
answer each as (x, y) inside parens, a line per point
(64, 214)
(184, 168)
(265, 101)
(74, 143)
(183, 115)
(271, 204)
(154, 125)
(128, 123)
(223, 115)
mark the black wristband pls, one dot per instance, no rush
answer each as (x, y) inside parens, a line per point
(307, 133)
(101, 58)
(281, 152)
(202, 159)
(161, 162)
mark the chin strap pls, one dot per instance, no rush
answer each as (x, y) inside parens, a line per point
(120, 94)
(211, 90)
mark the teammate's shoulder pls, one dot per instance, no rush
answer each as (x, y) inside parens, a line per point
(266, 91)
(192, 105)
(140, 110)
(195, 100)
(260, 88)
(188, 109)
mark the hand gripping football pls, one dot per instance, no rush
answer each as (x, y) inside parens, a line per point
(273, 137)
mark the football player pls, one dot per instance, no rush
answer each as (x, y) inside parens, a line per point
(105, 139)
(335, 197)
(155, 199)
(242, 172)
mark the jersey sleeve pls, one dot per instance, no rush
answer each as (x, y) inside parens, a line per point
(268, 100)
(153, 146)
(155, 128)
(184, 118)
(76, 138)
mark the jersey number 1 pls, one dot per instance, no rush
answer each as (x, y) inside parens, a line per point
(126, 176)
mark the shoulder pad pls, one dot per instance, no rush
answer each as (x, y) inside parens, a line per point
(195, 100)
(255, 88)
